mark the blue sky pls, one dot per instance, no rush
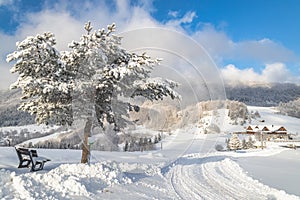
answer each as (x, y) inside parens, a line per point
(277, 20)
(250, 38)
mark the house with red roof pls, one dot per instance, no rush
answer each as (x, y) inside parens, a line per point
(270, 132)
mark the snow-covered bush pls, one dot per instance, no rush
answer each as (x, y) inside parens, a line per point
(212, 128)
(238, 112)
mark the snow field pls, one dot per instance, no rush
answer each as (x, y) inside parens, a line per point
(64, 182)
(188, 167)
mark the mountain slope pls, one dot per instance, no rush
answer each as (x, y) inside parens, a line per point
(263, 95)
(9, 113)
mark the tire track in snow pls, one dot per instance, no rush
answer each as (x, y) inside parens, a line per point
(213, 179)
(186, 187)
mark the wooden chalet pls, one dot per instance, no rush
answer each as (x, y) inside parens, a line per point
(269, 132)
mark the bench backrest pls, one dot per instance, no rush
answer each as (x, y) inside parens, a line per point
(27, 152)
(23, 151)
(34, 153)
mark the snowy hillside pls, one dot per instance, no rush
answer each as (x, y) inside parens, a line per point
(291, 108)
(271, 94)
(271, 116)
(187, 167)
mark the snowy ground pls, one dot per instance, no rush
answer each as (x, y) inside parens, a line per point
(280, 171)
(188, 167)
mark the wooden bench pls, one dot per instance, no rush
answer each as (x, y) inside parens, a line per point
(29, 158)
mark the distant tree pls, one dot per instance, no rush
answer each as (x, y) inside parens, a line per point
(291, 108)
(244, 144)
(237, 111)
(126, 146)
(250, 143)
(90, 82)
(141, 144)
(131, 145)
(234, 142)
(256, 114)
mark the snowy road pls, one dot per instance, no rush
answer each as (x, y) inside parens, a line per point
(218, 178)
(192, 177)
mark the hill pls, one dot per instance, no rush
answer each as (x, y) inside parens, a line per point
(9, 113)
(264, 95)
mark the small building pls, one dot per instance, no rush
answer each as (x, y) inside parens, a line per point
(269, 132)
(250, 130)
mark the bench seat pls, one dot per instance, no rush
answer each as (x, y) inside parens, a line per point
(29, 158)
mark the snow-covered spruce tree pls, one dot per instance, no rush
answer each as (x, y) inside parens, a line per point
(92, 81)
(234, 142)
(250, 143)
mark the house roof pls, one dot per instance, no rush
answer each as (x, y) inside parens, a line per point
(266, 128)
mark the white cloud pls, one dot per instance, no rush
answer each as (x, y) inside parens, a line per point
(232, 74)
(6, 2)
(217, 43)
(272, 73)
(221, 47)
(187, 18)
(263, 50)
(173, 13)
(278, 72)
(64, 26)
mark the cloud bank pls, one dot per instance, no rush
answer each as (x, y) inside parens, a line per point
(271, 73)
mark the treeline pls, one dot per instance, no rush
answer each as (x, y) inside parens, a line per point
(68, 141)
(14, 137)
(11, 116)
(270, 95)
(142, 143)
(291, 108)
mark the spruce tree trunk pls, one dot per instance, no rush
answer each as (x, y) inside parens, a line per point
(85, 146)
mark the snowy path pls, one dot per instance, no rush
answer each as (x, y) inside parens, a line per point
(218, 179)
(213, 178)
